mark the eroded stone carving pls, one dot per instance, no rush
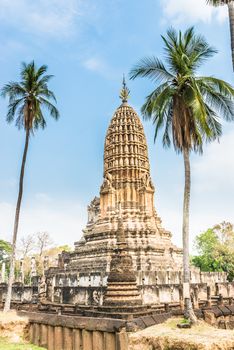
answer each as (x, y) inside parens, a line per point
(107, 183)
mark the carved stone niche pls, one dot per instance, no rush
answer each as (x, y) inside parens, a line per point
(93, 210)
(63, 259)
(107, 183)
(146, 181)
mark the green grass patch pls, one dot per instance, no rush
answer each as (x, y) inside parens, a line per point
(184, 321)
(5, 345)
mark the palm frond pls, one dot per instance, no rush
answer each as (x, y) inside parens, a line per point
(13, 90)
(51, 108)
(152, 68)
(44, 92)
(45, 79)
(219, 97)
(41, 70)
(12, 108)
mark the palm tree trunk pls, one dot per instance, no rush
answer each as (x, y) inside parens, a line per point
(231, 19)
(188, 311)
(16, 224)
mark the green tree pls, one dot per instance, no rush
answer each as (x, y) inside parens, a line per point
(216, 250)
(5, 250)
(206, 243)
(230, 4)
(27, 100)
(188, 107)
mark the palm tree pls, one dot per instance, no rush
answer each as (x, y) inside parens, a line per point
(230, 4)
(27, 101)
(188, 107)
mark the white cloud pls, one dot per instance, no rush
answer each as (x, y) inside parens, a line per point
(192, 11)
(63, 220)
(54, 17)
(100, 66)
(94, 64)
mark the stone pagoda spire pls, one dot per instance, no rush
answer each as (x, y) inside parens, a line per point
(126, 164)
(127, 186)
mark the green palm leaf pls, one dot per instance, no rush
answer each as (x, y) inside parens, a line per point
(29, 97)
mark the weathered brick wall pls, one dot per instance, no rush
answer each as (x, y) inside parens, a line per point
(151, 294)
(19, 292)
(221, 316)
(71, 333)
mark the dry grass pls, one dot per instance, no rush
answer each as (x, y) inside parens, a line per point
(11, 316)
(14, 332)
(13, 327)
(167, 336)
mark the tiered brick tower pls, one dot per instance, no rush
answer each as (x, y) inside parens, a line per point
(132, 255)
(126, 181)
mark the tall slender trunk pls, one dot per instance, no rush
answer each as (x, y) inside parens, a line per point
(16, 224)
(231, 19)
(188, 311)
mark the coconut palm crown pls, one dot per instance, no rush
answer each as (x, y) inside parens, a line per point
(188, 108)
(29, 97)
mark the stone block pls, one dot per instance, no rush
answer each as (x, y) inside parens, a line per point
(222, 324)
(77, 339)
(98, 340)
(231, 308)
(148, 321)
(31, 332)
(36, 333)
(58, 338)
(140, 324)
(109, 341)
(225, 310)
(87, 340)
(216, 311)
(67, 338)
(157, 318)
(50, 339)
(43, 335)
(122, 341)
(209, 317)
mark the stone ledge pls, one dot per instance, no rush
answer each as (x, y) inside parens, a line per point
(88, 323)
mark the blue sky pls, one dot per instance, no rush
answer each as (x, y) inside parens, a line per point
(88, 45)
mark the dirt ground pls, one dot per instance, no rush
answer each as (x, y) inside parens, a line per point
(13, 327)
(168, 336)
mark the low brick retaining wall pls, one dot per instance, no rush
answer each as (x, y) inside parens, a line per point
(221, 316)
(60, 332)
(71, 333)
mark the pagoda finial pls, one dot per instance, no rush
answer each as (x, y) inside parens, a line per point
(124, 93)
